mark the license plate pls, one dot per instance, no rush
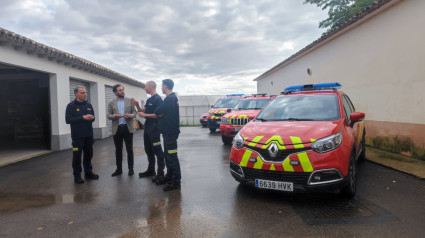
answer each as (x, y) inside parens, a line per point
(275, 185)
(237, 128)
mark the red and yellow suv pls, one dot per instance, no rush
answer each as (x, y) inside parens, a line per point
(307, 139)
(246, 110)
(220, 108)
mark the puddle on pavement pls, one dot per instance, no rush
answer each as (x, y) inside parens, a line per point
(12, 202)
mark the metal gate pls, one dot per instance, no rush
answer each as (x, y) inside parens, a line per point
(109, 96)
(73, 83)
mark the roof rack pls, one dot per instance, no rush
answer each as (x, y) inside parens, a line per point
(259, 94)
(312, 87)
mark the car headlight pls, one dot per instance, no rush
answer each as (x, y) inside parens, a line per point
(328, 143)
(238, 141)
(224, 120)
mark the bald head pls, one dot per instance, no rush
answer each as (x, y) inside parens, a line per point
(150, 87)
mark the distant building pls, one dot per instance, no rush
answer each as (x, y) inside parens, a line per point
(36, 84)
(378, 57)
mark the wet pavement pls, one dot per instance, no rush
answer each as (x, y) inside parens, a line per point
(39, 199)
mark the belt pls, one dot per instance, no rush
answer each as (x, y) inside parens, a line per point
(122, 125)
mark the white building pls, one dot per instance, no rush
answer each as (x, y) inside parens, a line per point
(37, 83)
(378, 58)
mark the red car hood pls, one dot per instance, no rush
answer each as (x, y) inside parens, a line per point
(218, 110)
(307, 131)
(249, 113)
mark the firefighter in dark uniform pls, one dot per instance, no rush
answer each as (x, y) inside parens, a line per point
(169, 123)
(152, 135)
(80, 115)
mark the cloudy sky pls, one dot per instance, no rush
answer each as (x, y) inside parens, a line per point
(206, 47)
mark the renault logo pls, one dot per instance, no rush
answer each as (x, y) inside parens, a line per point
(273, 149)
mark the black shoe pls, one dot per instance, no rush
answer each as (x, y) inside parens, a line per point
(78, 180)
(117, 172)
(130, 172)
(171, 187)
(163, 180)
(91, 176)
(156, 178)
(147, 173)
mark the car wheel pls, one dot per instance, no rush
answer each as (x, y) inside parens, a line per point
(350, 188)
(362, 156)
(227, 140)
(212, 129)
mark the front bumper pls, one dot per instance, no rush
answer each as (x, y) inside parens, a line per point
(214, 123)
(301, 180)
(229, 130)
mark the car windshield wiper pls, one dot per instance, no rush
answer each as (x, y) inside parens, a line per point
(297, 119)
(261, 119)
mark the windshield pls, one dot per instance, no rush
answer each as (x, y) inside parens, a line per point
(323, 107)
(226, 103)
(251, 104)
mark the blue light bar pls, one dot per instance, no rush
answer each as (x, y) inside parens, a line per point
(312, 87)
(234, 95)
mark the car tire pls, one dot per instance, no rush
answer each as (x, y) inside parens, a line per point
(349, 191)
(362, 156)
(212, 129)
(227, 140)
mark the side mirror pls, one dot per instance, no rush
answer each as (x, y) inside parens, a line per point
(229, 110)
(356, 117)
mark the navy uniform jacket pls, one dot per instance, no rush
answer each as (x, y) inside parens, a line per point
(74, 115)
(169, 122)
(151, 104)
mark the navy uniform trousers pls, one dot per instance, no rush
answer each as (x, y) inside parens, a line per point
(152, 142)
(171, 158)
(81, 146)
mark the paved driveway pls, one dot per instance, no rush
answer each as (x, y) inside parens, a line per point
(39, 199)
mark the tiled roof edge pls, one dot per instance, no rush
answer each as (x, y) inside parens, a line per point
(52, 54)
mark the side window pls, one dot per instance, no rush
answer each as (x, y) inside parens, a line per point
(350, 104)
(347, 109)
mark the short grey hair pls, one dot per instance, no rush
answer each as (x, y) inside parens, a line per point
(152, 84)
(76, 89)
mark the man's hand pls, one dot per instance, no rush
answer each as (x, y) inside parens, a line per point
(142, 114)
(126, 116)
(117, 115)
(134, 102)
(88, 117)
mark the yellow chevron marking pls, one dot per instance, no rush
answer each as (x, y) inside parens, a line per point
(242, 116)
(255, 140)
(259, 163)
(245, 158)
(272, 167)
(287, 165)
(277, 138)
(296, 141)
(305, 162)
(312, 140)
(245, 138)
(222, 112)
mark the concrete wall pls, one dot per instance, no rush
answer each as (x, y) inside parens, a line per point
(59, 92)
(192, 107)
(380, 65)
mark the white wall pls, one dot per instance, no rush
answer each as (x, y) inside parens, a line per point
(59, 87)
(379, 64)
(192, 107)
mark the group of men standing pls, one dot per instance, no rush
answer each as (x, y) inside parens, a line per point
(161, 117)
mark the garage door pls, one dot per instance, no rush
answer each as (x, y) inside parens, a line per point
(73, 83)
(109, 96)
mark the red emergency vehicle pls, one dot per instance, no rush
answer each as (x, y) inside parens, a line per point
(220, 108)
(308, 139)
(246, 110)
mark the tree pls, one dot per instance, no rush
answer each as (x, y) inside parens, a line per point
(339, 10)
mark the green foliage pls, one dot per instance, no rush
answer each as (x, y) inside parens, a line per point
(339, 10)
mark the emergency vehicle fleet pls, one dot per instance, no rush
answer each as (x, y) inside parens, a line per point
(307, 139)
(220, 108)
(246, 110)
